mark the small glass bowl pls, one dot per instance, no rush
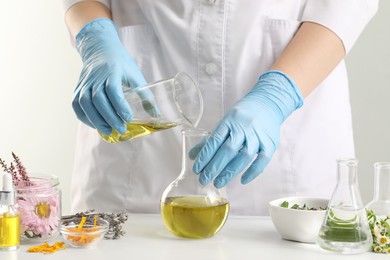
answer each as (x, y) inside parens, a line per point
(88, 236)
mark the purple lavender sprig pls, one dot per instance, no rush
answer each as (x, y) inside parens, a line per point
(17, 170)
(11, 170)
(14, 173)
(21, 169)
(3, 165)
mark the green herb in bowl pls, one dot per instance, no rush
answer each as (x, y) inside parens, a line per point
(285, 204)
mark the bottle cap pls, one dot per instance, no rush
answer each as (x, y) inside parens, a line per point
(7, 192)
(7, 182)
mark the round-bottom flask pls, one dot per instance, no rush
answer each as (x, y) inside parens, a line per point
(345, 227)
(189, 209)
(378, 210)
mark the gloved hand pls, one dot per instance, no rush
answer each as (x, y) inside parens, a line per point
(98, 99)
(250, 129)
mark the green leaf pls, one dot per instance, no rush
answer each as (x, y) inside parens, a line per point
(295, 206)
(284, 204)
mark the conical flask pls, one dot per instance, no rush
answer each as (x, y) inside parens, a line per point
(345, 227)
(189, 209)
(378, 210)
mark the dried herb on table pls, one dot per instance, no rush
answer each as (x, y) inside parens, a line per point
(46, 248)
(115, 220)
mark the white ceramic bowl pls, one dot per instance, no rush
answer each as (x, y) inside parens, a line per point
(296, 224)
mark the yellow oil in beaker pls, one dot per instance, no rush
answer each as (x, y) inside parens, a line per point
(136, 129)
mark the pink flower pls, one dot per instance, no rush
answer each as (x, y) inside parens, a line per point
(39, 214)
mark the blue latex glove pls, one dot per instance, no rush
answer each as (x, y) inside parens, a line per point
(98, 99)
(250, 129)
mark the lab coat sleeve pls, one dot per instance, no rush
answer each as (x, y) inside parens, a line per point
(346, 18)
(68, 3)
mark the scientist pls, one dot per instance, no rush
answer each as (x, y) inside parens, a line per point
(274, 84)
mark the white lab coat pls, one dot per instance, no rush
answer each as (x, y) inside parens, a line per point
(224, 45)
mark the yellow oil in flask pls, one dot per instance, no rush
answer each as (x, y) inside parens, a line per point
(193, 216)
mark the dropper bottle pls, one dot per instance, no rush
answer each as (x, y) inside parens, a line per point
(9, 219)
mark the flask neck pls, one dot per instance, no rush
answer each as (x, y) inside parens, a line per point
(347, 173)
(193, 140)
(347, 189)
(382, 181)
(187, 183)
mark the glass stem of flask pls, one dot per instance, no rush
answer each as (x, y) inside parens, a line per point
(193, 138)
(347, 181)
(382, 181)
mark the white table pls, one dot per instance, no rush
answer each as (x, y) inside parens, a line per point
(241, 238)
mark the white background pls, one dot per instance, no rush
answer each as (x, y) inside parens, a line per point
(39, 69)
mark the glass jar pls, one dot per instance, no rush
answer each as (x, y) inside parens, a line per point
(39, 205)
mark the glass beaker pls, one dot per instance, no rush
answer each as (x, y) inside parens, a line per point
(159, 106)
(189, 209)
(345, 227)
(378, 209)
